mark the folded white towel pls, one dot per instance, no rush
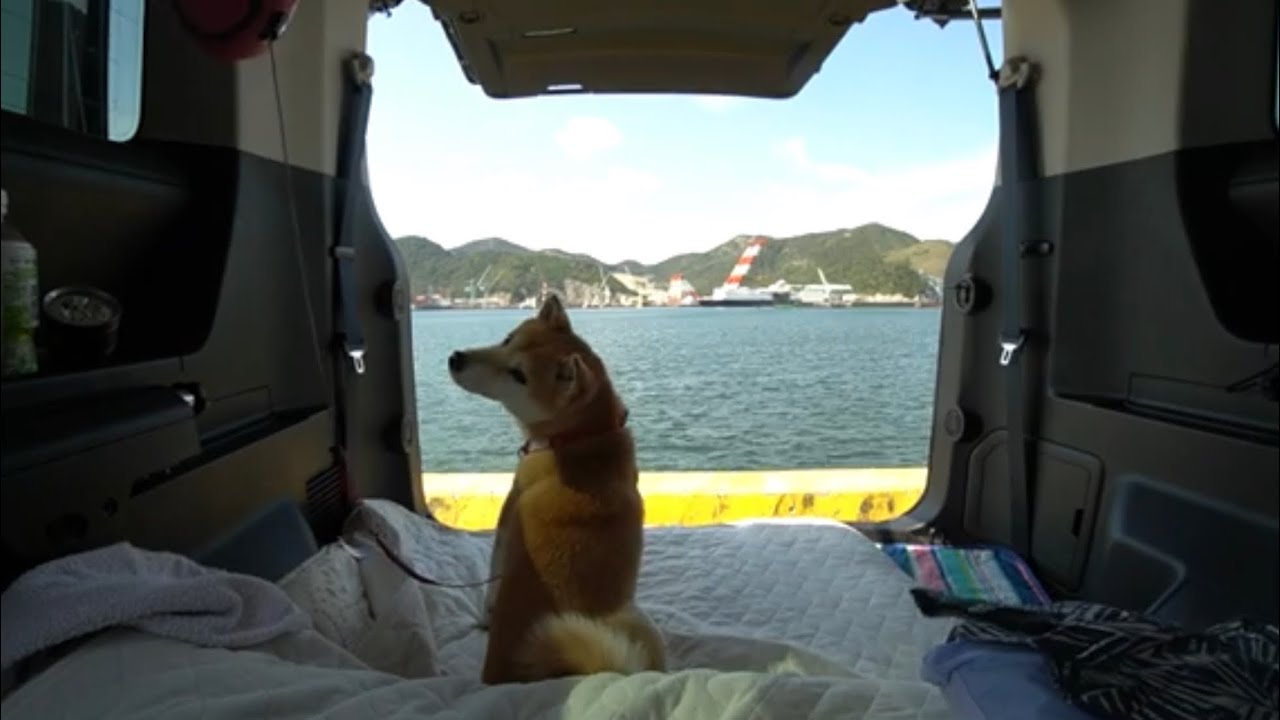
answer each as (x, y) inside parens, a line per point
(156, 592)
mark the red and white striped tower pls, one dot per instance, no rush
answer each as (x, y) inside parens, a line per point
(749, 254)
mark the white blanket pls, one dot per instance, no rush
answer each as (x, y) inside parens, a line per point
(763, 620)
(121, 585)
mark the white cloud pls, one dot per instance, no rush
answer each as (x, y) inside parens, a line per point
(607, 211)
(617, 211)
(586, 135)
(717, 103)
(941, 199)
(796, 152)
(630, 182)
(618, 185)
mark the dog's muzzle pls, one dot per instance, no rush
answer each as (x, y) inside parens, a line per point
(457, 361)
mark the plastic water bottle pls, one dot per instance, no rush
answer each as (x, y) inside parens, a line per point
(20, 281)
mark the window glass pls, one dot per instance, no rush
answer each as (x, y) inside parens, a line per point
(75, 63)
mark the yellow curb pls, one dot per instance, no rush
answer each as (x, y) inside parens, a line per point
(471, 501)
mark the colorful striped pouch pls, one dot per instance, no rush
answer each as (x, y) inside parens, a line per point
(990, 574)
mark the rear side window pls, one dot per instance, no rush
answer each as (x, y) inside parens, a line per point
(75, 63)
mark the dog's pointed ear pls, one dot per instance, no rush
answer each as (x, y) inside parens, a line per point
(552, 313)
(573, 375)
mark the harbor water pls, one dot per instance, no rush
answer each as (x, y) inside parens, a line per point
(712, 388)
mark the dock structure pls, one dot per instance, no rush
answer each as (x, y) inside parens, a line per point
(471, 501)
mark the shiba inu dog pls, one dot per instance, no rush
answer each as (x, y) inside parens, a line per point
(570, 533)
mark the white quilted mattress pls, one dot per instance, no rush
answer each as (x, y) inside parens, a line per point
(763, 620)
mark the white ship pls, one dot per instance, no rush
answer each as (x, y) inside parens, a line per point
(725, 296)
(732, 293)
(825, 294)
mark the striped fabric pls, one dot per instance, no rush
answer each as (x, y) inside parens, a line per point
(1120, 665)
(990, 574)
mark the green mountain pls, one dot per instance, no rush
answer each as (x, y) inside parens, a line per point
(490, 245)
(505, 266)
(928, 256)
(420, 252)
(861, 257)
(872, 258)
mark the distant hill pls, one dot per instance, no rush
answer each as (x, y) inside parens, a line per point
(857, 256)
(928, 256)
(872, 258)
(490, 245)
(417, 249)
(510, 268)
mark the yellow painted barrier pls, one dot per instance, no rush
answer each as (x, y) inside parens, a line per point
(471, 501)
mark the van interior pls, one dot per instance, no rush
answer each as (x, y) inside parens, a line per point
(1106, 400)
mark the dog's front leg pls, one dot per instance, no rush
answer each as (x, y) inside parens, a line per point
(497, 556)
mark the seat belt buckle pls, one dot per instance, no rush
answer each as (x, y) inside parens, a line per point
(356, 354)
(1009, 348)
(353, 342)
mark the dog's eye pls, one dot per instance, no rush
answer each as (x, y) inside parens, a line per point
(518, 375)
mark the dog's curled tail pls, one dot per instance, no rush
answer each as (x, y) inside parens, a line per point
(575, 644)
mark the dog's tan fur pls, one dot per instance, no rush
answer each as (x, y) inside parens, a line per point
(570, 532)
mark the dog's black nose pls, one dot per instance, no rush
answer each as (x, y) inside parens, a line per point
(457, 361)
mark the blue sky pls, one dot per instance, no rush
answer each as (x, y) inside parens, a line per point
(899, 127)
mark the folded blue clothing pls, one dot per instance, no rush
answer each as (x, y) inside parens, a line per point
(995, 681)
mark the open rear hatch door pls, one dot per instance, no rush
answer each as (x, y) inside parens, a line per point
(516, 48)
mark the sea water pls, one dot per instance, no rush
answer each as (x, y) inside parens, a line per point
(712, 388)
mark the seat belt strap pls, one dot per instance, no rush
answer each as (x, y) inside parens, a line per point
(1017, 172)
(358, 95)
(349, 338)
